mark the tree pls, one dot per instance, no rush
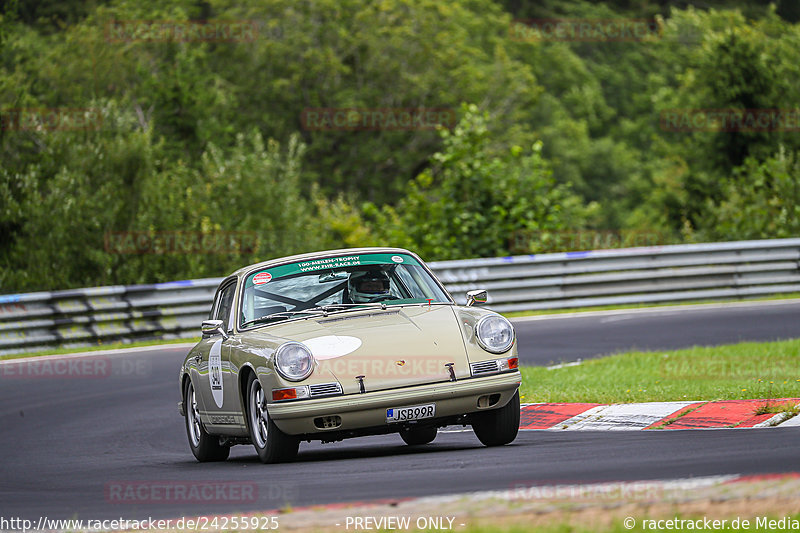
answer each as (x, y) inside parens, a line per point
(762, 201)
(474, 202)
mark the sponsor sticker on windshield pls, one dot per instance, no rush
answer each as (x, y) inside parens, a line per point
(330, 263)
(262, 278)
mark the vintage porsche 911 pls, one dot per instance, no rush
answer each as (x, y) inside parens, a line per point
(340, 344)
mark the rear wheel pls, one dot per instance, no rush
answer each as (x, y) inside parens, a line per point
(498, 426)
(205, 447)
(418, 436)
(271, 444)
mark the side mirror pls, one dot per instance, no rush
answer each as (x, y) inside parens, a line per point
(478, 296)
(213, 327)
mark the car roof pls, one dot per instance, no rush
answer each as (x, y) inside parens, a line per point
(315, 255)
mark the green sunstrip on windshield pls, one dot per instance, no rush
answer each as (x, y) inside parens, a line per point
(328, 263)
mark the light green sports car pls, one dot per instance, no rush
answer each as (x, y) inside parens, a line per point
(340, 344)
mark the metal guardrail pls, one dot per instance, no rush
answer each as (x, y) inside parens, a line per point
(629, 276)
(675, 273)
(84, 317)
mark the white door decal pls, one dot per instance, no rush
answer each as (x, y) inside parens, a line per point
(215, 371)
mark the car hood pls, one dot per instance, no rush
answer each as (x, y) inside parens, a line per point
(394, 347)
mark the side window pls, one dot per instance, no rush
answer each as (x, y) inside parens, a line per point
(222, 310)
(408, 281)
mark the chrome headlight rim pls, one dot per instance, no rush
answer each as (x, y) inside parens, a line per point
(282, 372)
(484, 345)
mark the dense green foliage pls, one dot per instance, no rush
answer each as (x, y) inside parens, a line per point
(551, 135)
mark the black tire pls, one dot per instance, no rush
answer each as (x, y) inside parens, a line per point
(205, 447)
(418, 436)
(498, 426)
(272, 445)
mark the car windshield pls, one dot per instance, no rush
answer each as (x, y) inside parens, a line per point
(356, 281)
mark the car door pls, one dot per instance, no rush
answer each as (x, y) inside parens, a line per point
(214, 362)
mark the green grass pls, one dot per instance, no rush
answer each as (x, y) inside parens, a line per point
(773, 408)
(738, 371)
(517, 314)
(109, 346)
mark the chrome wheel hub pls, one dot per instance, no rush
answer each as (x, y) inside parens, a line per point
(258, 414)
(194, 418)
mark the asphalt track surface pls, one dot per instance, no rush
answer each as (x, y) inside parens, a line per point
(566, 338)
(67, 443)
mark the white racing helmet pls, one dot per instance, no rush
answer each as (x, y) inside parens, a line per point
(368, 285)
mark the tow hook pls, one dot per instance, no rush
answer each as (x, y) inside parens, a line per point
(452, 372)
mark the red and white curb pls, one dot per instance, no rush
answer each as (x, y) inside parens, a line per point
(656, 415)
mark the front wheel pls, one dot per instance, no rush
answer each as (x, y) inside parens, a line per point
(498, 426)
(271, 444)
(418, 436)
(205, 447)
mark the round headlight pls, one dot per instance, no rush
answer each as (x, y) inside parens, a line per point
(495, 334)
(294, 361)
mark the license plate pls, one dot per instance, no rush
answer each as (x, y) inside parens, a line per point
(416, 412)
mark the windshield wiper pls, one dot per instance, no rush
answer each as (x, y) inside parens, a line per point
(324, 309)
(335, 307)
(280, 314)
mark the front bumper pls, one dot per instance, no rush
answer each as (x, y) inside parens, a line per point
(361, 411)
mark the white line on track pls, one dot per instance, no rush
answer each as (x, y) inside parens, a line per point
(90, 353)
(563, 365)
(520, 492)
(667, 309)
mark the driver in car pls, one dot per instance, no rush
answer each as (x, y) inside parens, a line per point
(366, 286)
